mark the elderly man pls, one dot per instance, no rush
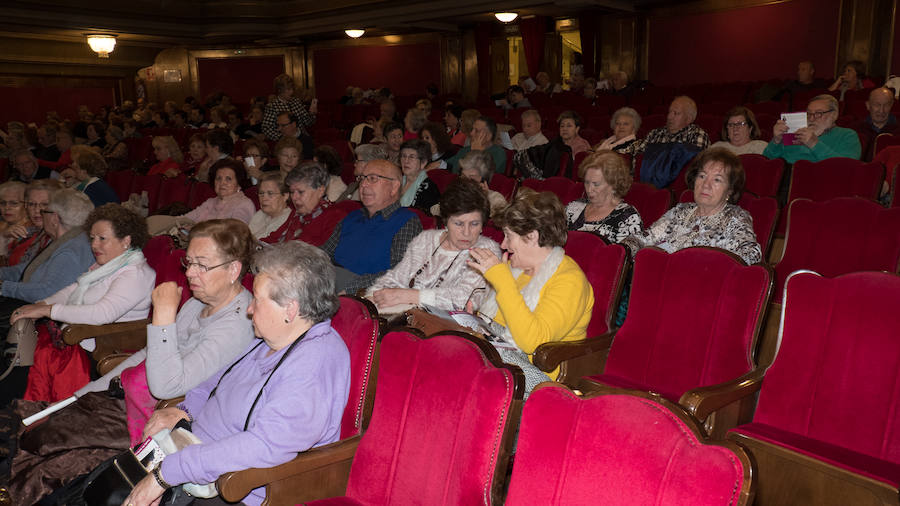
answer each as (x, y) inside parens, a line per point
(819, 140)
(27, 168)
(806, 80)
(46, 148)
(667, 149)
(483, 138)
(371, 240)
(879, 121)
(285, 101)
(364, 154)
(531, 131)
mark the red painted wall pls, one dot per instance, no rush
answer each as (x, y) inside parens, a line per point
(754, 43)
(405, 69)
(241, 78)
(31, 103)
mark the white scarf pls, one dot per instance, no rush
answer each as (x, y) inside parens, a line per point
(131, 256)
(531, 292)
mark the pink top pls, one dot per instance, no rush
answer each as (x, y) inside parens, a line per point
(579, 144)
(236, 206)
(122, 297)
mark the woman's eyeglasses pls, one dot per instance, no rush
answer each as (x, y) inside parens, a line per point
(202, 269)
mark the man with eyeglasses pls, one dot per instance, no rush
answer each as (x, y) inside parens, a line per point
(372, 240)
(819, 140)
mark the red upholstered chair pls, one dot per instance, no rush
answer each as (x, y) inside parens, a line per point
(172, 190)
(617, 449)
(427, 220)
(504, 185)
(604, 265)
(442, 178)
(358, 324)
(120, 182)
(492, 232)
(690, 335)
(763, 210)
(763, 175)
(252, 193)
(200, 193)
(833, 178)
(441, 429)
(151, 185)
(563, 187)
(883, 141)
(825, 430)
(650, 202)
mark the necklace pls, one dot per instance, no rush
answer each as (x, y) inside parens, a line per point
(440, 278)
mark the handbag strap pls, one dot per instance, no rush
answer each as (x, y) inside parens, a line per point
(258, 395)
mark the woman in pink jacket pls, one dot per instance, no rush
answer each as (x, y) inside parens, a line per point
(115, 289)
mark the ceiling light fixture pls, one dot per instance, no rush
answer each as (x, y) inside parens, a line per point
(505, 17)
(102, 44)
(354, 32)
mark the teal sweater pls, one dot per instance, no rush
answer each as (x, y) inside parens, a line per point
(836, 142)
(497, 153)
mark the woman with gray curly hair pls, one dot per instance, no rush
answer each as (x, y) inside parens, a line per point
(625, 123)
(314, 216)
(298, 372)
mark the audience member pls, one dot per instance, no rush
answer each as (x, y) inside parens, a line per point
(314, 217)
(88, 167)
(169, 157)
(483, 138)
(46, 147)
(853, 77)
(273, 208)
(27, 169)
(740, 133)
(289, 130)
(602, 211)
(667, 149)
(433, 270)
(218, 151)
(713, 219)
(879, 121)
(286, 102)
(441, 147)
(196, 155)
(515, 98)
(329, 158)
(371, 240)
(531, 134)
(625, 123)
(116, 151)
(393, 136)
(288, 153)
(418, 189)
(31, 239)
(452, 120)
(544, 85)
(821, 139)
(806, 81)
(412, 123)
(364, 154)
(14, 216)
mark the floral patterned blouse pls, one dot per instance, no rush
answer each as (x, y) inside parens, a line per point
(623, 221)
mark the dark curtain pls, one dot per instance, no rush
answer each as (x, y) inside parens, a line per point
(532, 30)
(483, 57)
(589, 28)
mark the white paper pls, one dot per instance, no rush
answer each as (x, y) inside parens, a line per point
(794, 120)
(49, 410)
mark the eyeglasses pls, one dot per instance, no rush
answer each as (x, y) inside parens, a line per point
(737, 124)
(817, 114)
(10, 203)
(372, 178)
(37, 205)
(202, 269)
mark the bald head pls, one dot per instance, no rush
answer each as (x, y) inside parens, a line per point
(682, 112)
(880, 102)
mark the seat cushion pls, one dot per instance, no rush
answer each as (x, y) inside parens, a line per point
(859, 463)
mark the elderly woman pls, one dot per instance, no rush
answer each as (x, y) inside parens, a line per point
(713, 219)
(853, 77)
(328, 157)
(219, 146)
(12, 209)
(740, 133)
(569, 127)
(413, 122)
(115, 288)
(314, 217)
(625, 123)
(393, 139)
(230, 201)
(285, 101)
(539, 294)
(96, 135)
(196, 154)
(168, 155)
(299, 370)
(273, 208)
(58, 265)
(418, 189)
(116, 151)
(466, 124)
(478, 166)
(256, 157)
(89, 166)
(31, 238)
(433, 270)
(441, 147)
(602, 211)
(288, 151)
(184, 348)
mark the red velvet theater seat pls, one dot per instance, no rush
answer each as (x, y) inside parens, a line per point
(650, 202)
(441, 429)
(763, 175)
(357, 322)
(827, 427)
(604, 266)
(564, 188)
(690, 335)
(615, 449)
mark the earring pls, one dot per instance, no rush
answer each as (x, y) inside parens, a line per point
(287, 321)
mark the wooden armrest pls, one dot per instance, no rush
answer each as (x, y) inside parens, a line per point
(549, 356)
(169, 403)
(235, 486)
(703, 401)
(74, 334)
(109, 362)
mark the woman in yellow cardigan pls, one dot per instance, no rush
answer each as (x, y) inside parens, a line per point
(539, 294)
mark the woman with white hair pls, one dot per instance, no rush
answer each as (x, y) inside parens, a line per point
(625, 123)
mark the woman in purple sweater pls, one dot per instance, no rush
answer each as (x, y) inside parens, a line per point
(293, 381)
